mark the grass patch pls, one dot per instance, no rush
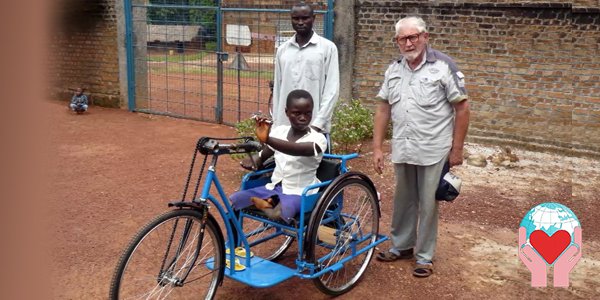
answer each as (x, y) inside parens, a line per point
(177, 57)
(193, 69)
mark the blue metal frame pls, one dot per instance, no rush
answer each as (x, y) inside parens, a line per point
(129, 49)
(259, 266)
(329, 20)
(220, 58)
(226, 211)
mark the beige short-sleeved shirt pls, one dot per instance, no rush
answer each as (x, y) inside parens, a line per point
(421, 112)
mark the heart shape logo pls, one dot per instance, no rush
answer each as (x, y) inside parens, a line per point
(550, 247)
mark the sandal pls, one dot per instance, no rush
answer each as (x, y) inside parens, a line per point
(423, 270)
(238, 265)
(240, 252)
(389, 256)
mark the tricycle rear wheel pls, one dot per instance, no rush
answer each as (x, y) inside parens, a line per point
(345, 222)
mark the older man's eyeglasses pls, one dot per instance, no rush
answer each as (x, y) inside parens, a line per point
(413, 38)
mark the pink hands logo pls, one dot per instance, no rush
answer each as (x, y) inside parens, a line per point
(550, 235)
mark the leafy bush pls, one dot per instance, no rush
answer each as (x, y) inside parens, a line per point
(245, 127)
(351, 125)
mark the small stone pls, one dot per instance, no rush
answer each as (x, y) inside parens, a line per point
(477, 160)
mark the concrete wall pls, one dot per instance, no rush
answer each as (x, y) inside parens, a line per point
(343, 36)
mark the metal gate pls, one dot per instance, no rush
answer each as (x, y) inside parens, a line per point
(209, 60)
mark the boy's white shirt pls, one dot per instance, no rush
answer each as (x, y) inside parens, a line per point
(295, 173)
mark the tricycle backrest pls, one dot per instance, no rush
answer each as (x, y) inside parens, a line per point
(328, 169)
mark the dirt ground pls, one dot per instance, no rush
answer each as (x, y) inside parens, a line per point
(114, 170)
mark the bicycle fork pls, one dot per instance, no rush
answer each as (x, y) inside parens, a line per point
(169, 274)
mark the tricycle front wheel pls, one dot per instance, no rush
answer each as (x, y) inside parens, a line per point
(176, 255)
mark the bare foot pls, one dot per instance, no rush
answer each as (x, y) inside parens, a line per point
(250, 162)
(261, 203)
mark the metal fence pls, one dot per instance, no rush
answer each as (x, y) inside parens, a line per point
(208, 60)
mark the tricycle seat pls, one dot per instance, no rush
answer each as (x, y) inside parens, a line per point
(328, 170)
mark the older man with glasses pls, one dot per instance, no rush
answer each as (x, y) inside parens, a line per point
(423, 93)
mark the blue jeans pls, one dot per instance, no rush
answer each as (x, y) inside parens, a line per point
(78, 107)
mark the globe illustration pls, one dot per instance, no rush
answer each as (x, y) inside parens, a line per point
(550, 217)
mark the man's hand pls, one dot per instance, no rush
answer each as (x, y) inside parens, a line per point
(456, 157)
(378, 161)
(263, 127)
(461, 125)
(381, 121)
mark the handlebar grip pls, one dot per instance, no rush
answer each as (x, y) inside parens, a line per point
(245, 147)
(251, 146)
(212, 146)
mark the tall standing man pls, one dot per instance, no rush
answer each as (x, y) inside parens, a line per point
(424, 94)
(310, 62)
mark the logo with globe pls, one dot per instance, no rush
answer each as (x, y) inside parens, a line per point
(550, 236)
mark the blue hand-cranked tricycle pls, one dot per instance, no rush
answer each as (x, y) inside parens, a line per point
(183, 253)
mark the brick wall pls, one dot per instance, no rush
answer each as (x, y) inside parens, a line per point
(84, 51)
(527, 82)
(586, 78)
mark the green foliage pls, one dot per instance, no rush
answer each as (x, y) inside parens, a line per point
(212, 46)
(245, 127)
(351, 125)
(169, 14)
(204, 17)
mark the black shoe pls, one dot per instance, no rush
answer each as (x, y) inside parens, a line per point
(388, 256)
